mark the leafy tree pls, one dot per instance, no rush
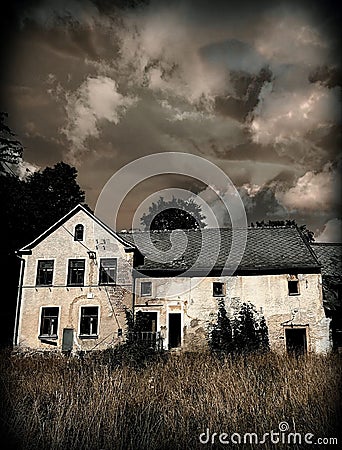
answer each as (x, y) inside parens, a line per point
(11, 150)
(221, 332)
(173, 214)
(246, 339)
(247, 332)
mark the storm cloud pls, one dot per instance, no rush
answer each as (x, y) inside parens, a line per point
(253, 87)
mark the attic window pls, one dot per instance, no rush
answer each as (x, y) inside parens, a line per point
(293, 285)
(79, 231)
(218, 289)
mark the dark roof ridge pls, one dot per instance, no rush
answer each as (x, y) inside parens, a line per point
(325, 243)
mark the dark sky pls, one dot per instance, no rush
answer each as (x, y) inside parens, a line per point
(254, 87)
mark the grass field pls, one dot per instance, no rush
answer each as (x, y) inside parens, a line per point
(58, 402)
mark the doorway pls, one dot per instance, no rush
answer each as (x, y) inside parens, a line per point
(175, 330)
(296, 341)
(147, 321)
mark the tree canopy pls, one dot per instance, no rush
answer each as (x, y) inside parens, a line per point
(11, 150)
(173, 214)
(308, 234)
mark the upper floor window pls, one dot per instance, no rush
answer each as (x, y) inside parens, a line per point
(218, 289)
(79, 232)
(146, 288)
(89, 321)
(49, 322)
(293, 285)
(107, 271)
(76, 270)
(44, 272)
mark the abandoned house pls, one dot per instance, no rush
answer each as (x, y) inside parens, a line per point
(80, 277)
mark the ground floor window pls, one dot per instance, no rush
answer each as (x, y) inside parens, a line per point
(49, 322)
(89, 321)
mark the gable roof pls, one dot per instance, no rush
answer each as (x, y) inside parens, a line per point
(268, 249)
(67, 216)
(330, 257)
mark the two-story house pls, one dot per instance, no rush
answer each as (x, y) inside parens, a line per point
(79, 277)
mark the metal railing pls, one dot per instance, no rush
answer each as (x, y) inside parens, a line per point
(152, 339)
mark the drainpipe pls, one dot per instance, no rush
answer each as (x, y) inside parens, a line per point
(19, 296)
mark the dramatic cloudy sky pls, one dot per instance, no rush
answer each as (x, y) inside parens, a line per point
(255, 87)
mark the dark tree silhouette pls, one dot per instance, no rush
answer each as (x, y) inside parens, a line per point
(11, 150)
(173, 214)
(307, 234)
(246, 332)
(221, 333)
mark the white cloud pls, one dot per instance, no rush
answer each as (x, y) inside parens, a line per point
(313, 191)
(285, 116)
(332, 232)
(97, 98)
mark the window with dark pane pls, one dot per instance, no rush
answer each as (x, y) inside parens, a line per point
(293, 285)
(218, 289)
(49, 322)
(107, 271)
(79, 231)
(76, 272)
(146, 288)
(44, 272)
(89, 320)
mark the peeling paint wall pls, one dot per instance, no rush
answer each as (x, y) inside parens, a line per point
(111, 300)
(194, 298)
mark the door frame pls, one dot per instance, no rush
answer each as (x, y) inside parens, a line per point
(305, 328)
(177, 308)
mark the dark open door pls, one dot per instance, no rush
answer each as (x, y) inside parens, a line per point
(296, 341)
(175, 330)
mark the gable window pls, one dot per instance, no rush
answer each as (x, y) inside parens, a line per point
(107, 271)
(76, 272)
(218, 289)
(89, 321)
(79, 231)
(293, 285)
(44, 272)
(145, 288)
(49, 322)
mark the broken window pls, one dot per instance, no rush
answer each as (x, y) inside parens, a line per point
(44, 272)
(79, 231)
(108, 271)
(89, 321)
(49, 322)
(146, 288)
(293, 285)
(76, 272)
(218, 289)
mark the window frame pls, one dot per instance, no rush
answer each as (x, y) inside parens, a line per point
(69, 284)
(79, 228)
(40, 325)
(149, 294)
(88, 335)
(102, 270)
(223, 286)
(38, 269)
(293, 278)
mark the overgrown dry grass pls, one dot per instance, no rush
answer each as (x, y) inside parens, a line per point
(55, 402)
